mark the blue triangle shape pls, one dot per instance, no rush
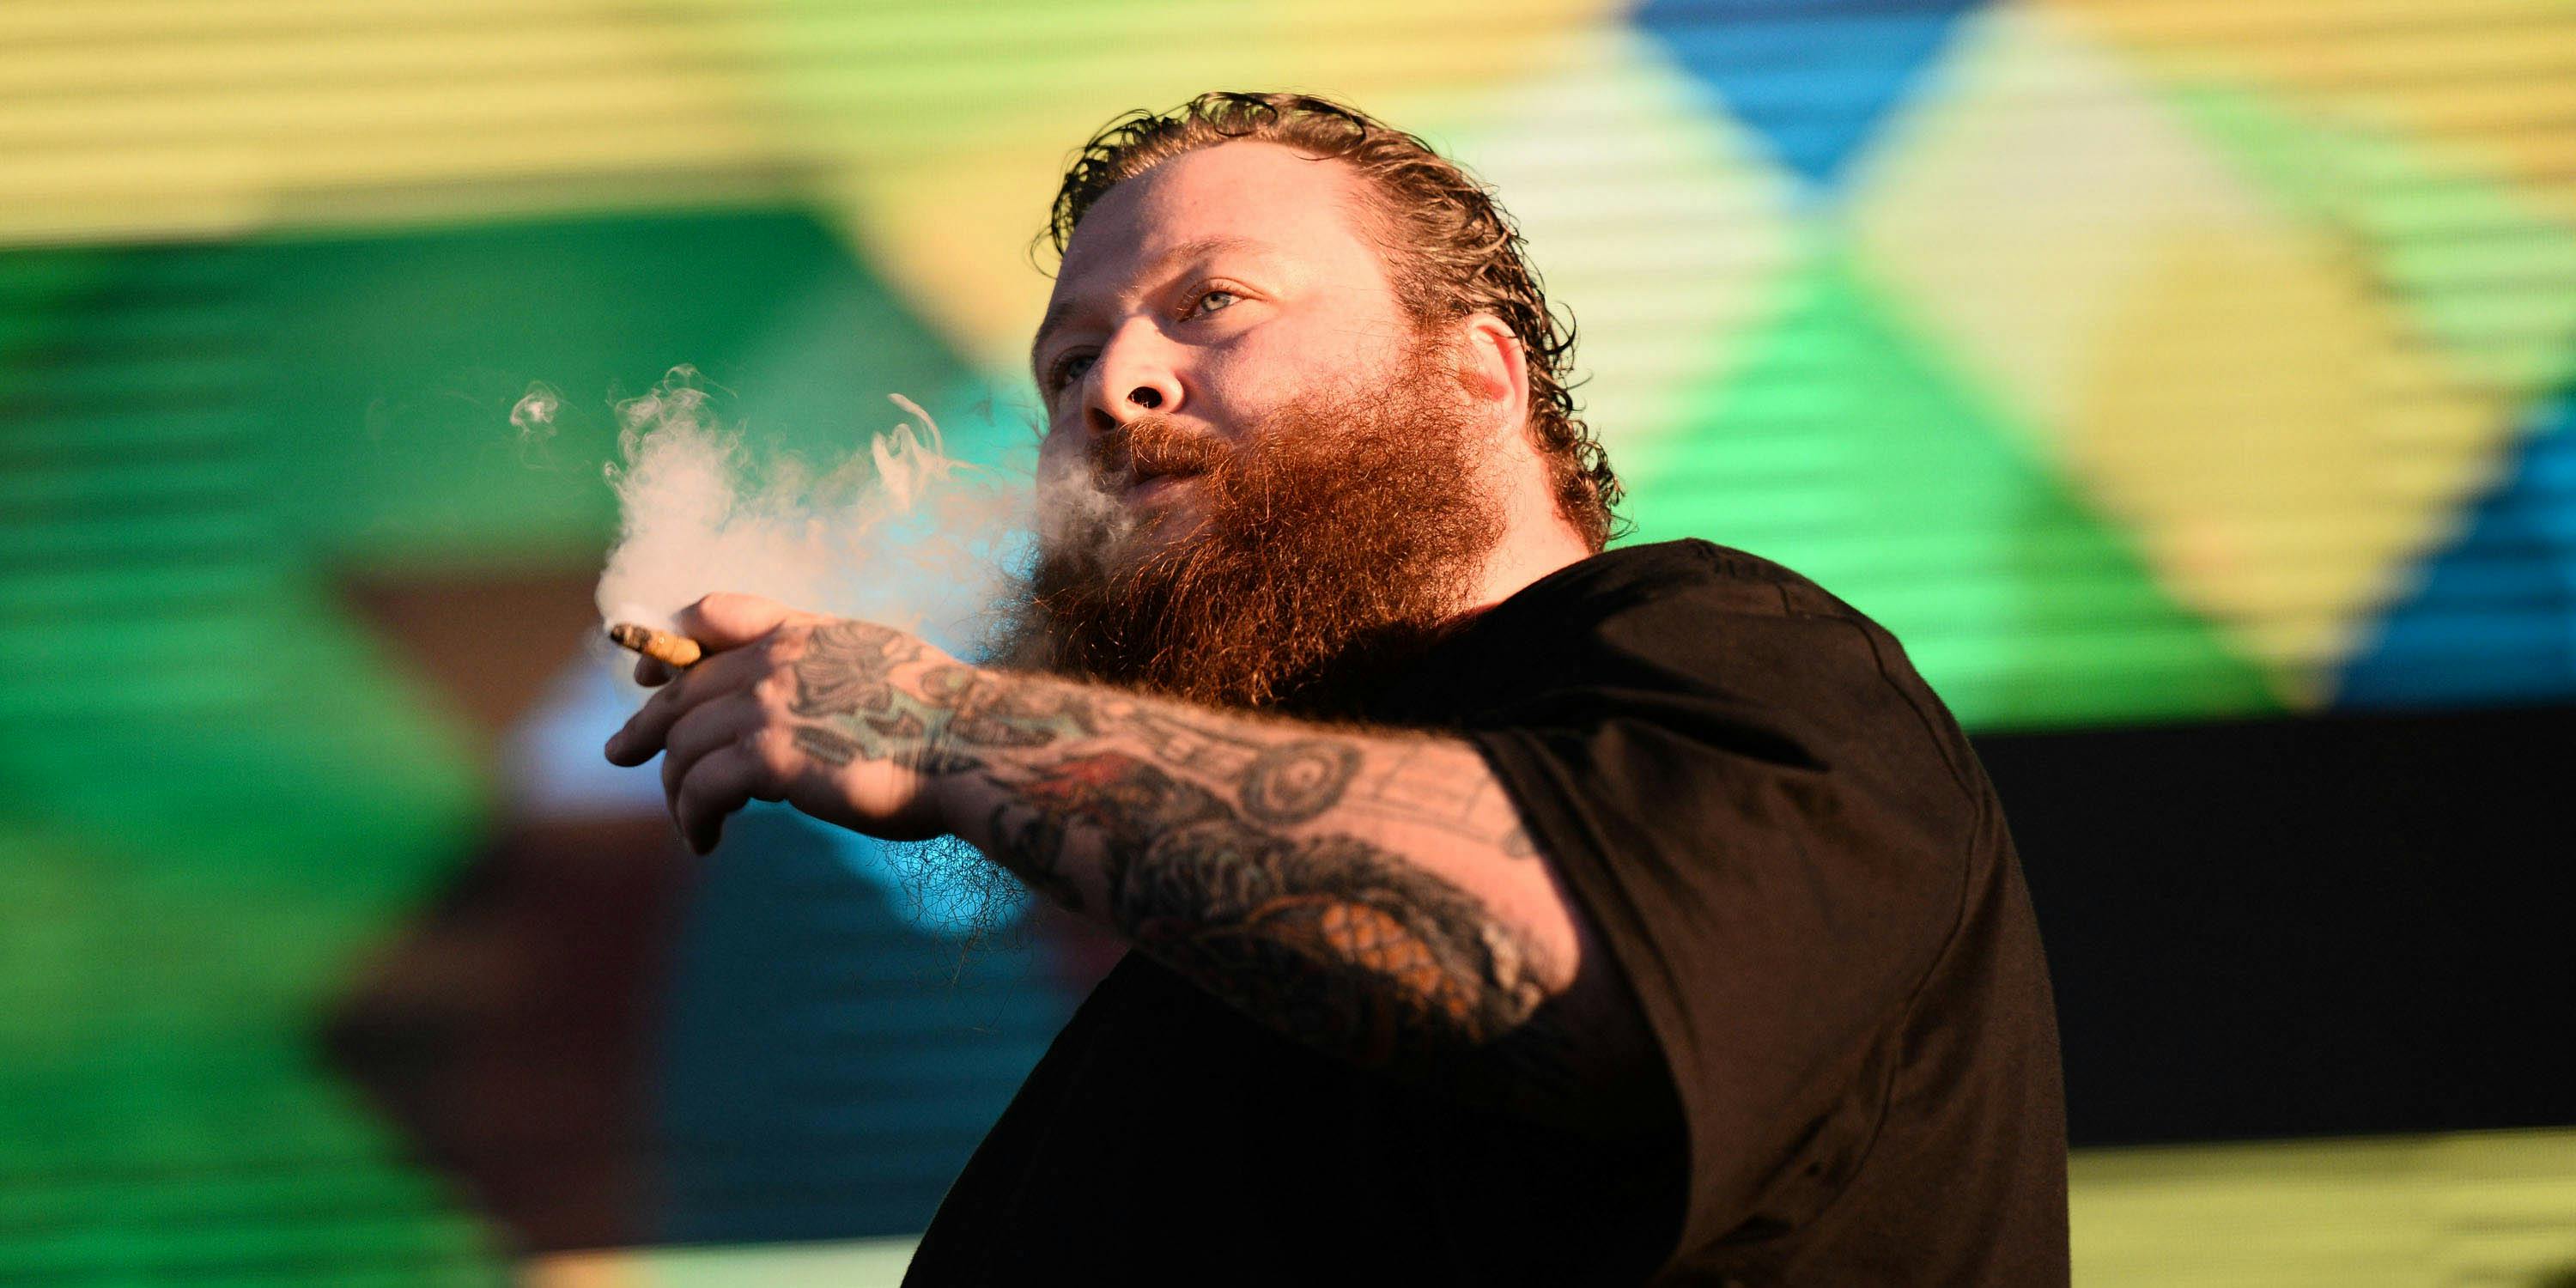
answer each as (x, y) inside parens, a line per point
(1814, 77)
(2493, 618)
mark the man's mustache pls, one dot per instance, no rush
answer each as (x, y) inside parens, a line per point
(1150, 447)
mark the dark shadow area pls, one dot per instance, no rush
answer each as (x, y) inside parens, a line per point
(508, 1029)
(2337, 925)
(609, 1042)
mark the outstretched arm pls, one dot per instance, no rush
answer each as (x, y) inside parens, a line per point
(1366, 891)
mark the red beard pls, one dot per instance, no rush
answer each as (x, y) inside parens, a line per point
(1339, 537)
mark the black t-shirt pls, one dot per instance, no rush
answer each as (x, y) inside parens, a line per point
(1804, 876)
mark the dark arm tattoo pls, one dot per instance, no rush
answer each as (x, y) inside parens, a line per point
(1212, 836)
(1293, 782)
(1324, 936)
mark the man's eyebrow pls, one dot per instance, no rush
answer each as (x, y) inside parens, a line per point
(1193, 249)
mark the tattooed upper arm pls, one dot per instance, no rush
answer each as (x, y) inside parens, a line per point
(1262, 871)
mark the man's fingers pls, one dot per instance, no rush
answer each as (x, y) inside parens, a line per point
(653, 672)
(703, 730)
(720, 782)
(727, 621)
(719, 674)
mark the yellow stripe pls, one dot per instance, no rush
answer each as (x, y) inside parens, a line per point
(2477, 1208)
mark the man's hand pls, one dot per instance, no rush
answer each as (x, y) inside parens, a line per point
(827, 714)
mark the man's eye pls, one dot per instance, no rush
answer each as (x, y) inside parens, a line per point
(1066, 370)
(1211, 301)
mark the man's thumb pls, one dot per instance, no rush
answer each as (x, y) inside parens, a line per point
(722, 621)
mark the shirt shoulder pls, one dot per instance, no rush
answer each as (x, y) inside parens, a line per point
(1713, 578)
(1700, 631)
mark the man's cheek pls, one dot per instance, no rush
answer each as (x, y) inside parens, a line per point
(1066, 481)
(1060, 451)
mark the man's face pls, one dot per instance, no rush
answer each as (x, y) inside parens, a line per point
(1260, 479)
(1207, 296)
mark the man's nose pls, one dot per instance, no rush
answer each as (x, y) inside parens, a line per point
(1134, 376)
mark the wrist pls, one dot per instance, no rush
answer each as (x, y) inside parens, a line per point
(950, 693)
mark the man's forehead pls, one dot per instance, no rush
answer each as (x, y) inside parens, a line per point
(1116, 267)
(1257, 198)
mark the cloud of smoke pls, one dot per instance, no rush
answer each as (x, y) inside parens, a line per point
(900, 533)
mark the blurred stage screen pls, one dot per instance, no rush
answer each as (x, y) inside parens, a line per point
(2189, 384)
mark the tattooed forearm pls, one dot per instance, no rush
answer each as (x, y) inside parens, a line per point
(1293, 782)
(1031, 843)
(1190, 739)
(1472, 806)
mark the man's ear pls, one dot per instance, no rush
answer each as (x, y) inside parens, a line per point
(1496, 367)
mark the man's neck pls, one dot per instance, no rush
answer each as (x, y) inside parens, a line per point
(1528, 551)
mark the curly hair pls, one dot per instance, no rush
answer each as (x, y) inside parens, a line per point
(1451, 250)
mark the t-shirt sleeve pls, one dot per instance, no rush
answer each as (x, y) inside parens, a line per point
(1755, 802)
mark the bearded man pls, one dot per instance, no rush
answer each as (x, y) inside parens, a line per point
(1503, 910)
